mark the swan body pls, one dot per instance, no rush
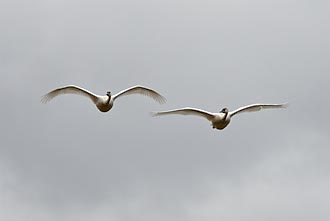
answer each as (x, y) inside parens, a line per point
(103, 103)
(222, 119)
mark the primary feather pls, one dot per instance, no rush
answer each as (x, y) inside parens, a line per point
(143, 91)
(70, 89)
(257, 107)
(187, 111)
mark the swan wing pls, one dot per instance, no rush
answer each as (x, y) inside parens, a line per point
(70, 89)
(187, 111)
(256, 107)
(143, 91)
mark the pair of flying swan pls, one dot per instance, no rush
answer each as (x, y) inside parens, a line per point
(104, 103)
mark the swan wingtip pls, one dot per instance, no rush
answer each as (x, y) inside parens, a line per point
(44, 99)
(162, 100)
(153, 113)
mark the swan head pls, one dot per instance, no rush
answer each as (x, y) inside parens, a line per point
(109, 96)
(224, 110)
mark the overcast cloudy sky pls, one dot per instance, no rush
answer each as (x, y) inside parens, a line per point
(67, 161)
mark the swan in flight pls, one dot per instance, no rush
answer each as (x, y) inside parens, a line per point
(219, 120)
(104, 103)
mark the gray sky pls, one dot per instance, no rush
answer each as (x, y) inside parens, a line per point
(67, 161)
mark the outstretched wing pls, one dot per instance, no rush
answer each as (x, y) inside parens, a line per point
(70, 89)
(256, 107)
(141, 90)
(187, 111)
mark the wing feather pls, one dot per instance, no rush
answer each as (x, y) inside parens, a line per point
(257, 107)
(187, 111)
(143, 91)
(70, 89)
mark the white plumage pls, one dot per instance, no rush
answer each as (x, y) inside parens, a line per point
(222, 119)
(104, 103)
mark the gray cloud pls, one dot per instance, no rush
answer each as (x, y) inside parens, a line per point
(67, 161)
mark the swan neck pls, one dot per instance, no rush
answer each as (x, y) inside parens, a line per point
(109, 98)
(226, 113)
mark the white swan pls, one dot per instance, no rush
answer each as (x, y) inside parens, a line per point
(219, 120)
(103, 103)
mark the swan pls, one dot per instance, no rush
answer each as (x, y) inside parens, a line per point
(103, 103)
(219, 120)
